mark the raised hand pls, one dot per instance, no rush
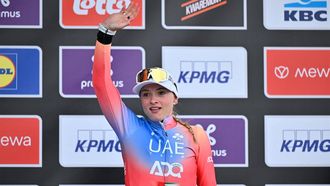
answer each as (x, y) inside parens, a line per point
(120, 20)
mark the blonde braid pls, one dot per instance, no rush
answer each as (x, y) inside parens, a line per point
(187, 126)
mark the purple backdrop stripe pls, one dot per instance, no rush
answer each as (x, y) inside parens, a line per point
(126, 62)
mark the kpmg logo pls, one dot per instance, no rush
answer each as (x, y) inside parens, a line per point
(220, 71)
(215, 72)
(15, 14)
(88, 141)
(195, 8)
(20, 71)
(88, 14)
(296, 14)
(297, 72)
(297, 141)
(306, 10)
(96, 141)
(221, 132)
(20, 135)
(292, 143)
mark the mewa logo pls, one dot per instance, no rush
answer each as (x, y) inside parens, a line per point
(283, 72)
(297, 71)
(20, 141)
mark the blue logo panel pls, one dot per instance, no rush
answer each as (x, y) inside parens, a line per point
(20, 68)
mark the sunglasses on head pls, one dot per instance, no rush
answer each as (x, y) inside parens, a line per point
(156, 74)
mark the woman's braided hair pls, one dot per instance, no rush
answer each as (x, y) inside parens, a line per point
(185, 124)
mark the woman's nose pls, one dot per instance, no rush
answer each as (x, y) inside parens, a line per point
(153, 99)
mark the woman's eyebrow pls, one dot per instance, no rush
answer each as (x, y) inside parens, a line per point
(161, 88)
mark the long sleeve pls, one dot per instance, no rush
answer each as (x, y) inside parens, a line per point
(115, 111)
(205, 166)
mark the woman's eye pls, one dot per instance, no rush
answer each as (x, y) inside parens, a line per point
(162, 92)
(144, 94)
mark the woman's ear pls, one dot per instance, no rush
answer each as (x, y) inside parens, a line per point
(176, 101)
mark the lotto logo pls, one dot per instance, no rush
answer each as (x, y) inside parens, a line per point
(297, 72)
(88, 14)
(20, 141)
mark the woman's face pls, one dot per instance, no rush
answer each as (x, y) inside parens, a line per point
(157, 102)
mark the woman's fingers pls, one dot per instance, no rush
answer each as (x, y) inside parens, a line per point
(135, 12)
(120, 20)
(131, 11)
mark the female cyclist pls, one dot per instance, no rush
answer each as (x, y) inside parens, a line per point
(158, 149)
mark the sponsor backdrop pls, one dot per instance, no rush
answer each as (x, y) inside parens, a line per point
(254, 74)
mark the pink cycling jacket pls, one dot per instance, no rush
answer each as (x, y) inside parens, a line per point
(154, 153)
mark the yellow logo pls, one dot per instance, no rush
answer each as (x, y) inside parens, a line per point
(7, 71)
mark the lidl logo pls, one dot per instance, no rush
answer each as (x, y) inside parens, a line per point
(20, 141)
(297, 72)
(20, 71)
(88, 14)
(7, 71)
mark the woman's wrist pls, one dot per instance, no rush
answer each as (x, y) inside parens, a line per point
(105, 30)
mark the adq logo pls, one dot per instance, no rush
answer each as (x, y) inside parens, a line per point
(281, 72)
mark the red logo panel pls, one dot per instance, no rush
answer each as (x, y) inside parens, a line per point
(89, 13)
(20, 141)
(297, 72)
